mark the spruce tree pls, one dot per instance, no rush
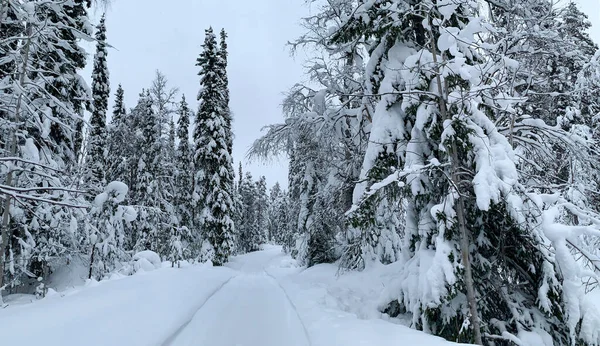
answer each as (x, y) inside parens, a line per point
(248, 232)
(184, 178)
(119, 143)
(262, 210)
(213, 181)
(41, 99)
(63, 55)
(273, 221)
(151, 225)
(96, 143)
(225, 87)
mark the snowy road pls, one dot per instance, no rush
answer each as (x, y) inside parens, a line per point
(250, 309)
(258, 299)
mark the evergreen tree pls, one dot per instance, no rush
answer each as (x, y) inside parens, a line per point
(96, 143)
(278, 214)
(107, 228)
(274, 222)
(459, 205)
(248, 232)
(262, 210)
(150, 198)
(41, 97)
(213, 181)
(184, 178)
(120, 144)
(63, 55)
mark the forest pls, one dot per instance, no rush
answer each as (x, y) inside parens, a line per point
(456, 140)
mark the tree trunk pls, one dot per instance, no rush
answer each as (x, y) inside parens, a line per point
(92, 261)
(4, 229)
(460, 211)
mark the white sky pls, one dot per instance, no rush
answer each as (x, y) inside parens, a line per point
(156, 34)
(153, 34)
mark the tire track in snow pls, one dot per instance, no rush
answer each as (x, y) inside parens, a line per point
(308, 339)
(168, 341)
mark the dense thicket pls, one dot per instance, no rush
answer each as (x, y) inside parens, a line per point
(459, 139)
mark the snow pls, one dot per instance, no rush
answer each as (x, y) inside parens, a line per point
(144, 309)
(30, 151)
(259, 299)
(147, 260)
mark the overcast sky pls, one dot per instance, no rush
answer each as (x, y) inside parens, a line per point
(150, 34)
(154, 34)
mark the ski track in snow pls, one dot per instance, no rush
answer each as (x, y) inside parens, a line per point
(173, 336)
(251, 309)
(287, 296)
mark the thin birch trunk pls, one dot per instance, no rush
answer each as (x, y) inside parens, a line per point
(460, 211)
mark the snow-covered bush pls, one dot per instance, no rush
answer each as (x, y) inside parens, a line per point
(107, 229)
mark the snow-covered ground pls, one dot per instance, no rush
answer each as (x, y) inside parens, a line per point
(258, 299)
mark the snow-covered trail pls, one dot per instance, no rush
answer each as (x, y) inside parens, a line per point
(141, 310)
(250, 309)
(257, 299)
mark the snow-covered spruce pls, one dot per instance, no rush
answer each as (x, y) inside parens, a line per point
(213, 165)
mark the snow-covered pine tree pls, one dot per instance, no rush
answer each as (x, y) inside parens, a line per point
(467, 216)
(184, 179)
(277, 216)
(107, 230)
(262, 209)
(120, 145)
(238, 207)
(62, 54)
(248, 235)
(296, 167)
(225, 87)
(153, 221)
(97, 135)
(40, 110)
(336, 118)
(213, 180)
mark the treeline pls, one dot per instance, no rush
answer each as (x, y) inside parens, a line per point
(459, 140)
(158, 176)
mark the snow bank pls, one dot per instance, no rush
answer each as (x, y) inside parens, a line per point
(344, 309)
(147, 261)
(136, 310)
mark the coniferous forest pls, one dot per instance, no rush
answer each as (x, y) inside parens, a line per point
(455, 141)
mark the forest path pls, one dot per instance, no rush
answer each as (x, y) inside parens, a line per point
(251, 309)
(259, 299)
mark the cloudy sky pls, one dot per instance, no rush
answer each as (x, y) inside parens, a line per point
(169, 37)
(166, 35)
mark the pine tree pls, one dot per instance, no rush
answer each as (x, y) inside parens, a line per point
(96, 143)
(212, 162)
(41, 96)
(120, 145)
(238, 207)
(274, 222)
(278, 214)
(464, 209)
(149, 198)
(184, 163)
(63, 55)
(225, 87)
(108, 219)
(262, 210)
(248, 232)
